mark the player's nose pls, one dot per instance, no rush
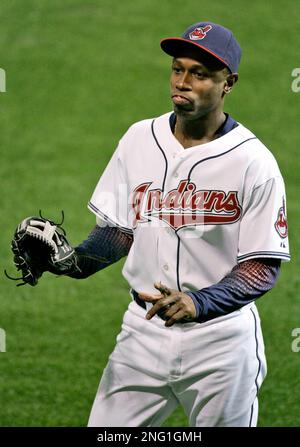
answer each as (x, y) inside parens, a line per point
(183, 83)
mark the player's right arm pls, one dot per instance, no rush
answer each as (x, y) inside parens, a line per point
(104, 246)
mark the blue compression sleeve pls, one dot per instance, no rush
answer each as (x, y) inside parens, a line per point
(104, 246)
(245, 283)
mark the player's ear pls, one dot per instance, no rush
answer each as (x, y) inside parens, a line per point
(231, 79)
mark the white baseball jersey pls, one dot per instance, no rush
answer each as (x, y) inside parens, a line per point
(196, 212)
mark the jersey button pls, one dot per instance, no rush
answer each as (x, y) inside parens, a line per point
(175, 174)
(166, 267)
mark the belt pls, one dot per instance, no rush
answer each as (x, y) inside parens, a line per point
(138, 300)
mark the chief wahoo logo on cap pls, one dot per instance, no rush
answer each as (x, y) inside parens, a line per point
(199, 33)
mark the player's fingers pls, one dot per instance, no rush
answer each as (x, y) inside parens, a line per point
(171, 310)
(180, 315)
(150, 298)
(162, 288)
(160, 305)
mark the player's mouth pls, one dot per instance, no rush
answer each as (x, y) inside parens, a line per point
(180, 100)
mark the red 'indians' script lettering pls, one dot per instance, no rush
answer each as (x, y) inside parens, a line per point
(185, 206)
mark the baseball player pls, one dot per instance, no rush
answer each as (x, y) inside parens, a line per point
(197, 204)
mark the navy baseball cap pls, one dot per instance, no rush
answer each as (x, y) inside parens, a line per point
(209, 37)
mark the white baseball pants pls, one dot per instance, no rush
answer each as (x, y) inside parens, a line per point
(214, 370)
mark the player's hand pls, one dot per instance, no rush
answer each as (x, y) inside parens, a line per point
(170, 304)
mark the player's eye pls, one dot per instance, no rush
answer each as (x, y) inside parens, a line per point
(176, 69)
(199, 75)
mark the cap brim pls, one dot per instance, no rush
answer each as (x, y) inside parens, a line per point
(177, 46)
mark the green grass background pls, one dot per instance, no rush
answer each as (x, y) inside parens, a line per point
(79, 72)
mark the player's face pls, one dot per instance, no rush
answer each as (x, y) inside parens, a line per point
(197, 88)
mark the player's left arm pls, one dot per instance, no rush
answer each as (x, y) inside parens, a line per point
(245, 283)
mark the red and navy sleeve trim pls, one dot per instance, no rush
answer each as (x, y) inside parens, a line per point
(107, 219)
(245, 283)
(264, 254)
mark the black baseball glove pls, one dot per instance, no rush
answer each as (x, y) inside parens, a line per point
(41, 245)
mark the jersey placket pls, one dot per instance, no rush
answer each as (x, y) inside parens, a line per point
(167, 240)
